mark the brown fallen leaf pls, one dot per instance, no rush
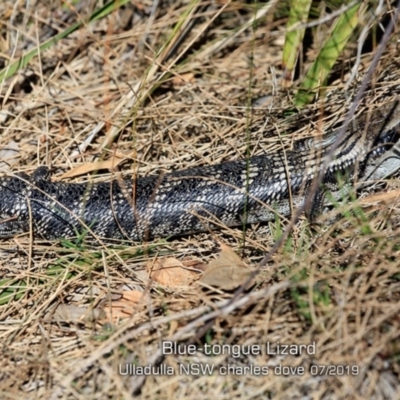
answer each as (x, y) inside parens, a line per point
(227, 271)
(95, 166)
(124, 307)
(382, 197)
(183, 79)
(9, 155)
(194, 264)
(72, 313)
(170, 272)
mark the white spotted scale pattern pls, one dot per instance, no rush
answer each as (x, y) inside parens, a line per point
(192, 200)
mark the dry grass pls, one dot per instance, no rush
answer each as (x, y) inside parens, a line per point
(336, 285)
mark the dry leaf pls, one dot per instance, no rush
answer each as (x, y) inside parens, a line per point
(226, 272)
(95, 166)
(183, 79)
(385, 197)
(4, 115)
(170, 272)
(124, 307)
(9, 155)
(194, 264)
(71, 313)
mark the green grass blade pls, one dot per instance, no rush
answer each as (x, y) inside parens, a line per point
(341, 32)
(298, 16)
(11, 289)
